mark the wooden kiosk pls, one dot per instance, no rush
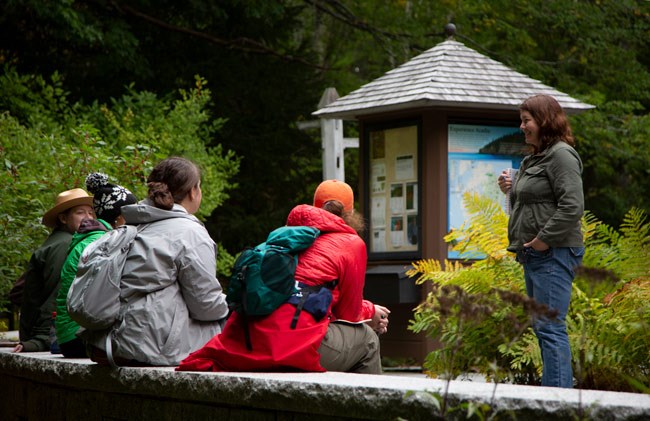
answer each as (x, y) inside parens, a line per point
(443, 123)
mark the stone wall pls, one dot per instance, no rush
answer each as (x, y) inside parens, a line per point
(39, 386)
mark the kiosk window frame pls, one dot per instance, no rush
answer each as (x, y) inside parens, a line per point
(393, 191)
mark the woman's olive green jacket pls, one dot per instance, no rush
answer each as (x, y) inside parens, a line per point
(547, 200)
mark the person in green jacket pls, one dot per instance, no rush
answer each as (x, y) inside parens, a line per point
(44, 269)
(544, 227)
(107, 204)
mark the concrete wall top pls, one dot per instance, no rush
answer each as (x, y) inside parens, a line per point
(331, 394)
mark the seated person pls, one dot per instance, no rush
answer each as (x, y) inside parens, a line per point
(43, 273)
(172, 301)
(108, 200)
(345, 340)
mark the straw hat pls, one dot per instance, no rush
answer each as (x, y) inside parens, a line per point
(64, 201)
(334, 190)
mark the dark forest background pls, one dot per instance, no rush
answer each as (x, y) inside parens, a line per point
(264, 65)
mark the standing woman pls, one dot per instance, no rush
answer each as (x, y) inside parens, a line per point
(544, 227)
(172, 302)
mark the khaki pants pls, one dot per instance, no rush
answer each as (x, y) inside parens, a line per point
(351, 348)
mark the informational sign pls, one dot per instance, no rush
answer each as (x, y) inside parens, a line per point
(393, 190)
(477, 155)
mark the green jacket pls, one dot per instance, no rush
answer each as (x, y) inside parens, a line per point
(89, 231)
(41, 287)
(547, 200)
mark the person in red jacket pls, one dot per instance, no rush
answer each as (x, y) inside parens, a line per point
(346, 340)
(340, 253)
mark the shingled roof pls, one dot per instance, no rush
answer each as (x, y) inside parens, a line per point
(450, 75)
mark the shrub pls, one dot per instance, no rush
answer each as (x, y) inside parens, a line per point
(49, 146)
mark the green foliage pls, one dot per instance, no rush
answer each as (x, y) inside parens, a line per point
(225, 263)
(611, 307)
(624, 252)
(613, 144)
(40, 103)
(478, 314)
(140, 125)
(52, 146)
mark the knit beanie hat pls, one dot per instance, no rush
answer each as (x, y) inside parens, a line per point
(108, 198)
(334, 190)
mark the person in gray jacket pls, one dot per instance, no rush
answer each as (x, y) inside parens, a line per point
(544, 227)
(172, 301)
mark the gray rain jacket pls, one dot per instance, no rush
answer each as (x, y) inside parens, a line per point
(172, 301)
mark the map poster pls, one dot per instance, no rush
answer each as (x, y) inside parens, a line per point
(474, 174)
(477, 155)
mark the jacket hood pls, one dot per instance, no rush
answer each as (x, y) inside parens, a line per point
(88, 227)
(144, 212)
(321, 219)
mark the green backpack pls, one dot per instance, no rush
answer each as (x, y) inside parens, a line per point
(263, 277)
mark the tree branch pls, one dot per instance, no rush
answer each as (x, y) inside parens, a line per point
(340, 12)
(246, 45)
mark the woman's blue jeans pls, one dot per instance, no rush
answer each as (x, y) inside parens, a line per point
(549, 275)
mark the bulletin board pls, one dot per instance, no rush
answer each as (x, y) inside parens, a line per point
(393, 191)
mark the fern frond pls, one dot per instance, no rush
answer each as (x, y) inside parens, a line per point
(589, 225)
(633, 226)
(487, 230)
(524, 353)
(431, 270)
(625, 252)
(634, 245)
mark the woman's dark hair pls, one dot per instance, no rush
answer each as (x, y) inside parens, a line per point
(351, 218)
(171, 180)
(551, 119)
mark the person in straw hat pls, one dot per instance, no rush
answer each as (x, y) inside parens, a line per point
(43, 273)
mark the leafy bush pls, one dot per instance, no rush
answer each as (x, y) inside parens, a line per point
(613, 143)
(479, 315)
(48, 146)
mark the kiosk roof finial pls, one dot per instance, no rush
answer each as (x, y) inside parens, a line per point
(450, 30)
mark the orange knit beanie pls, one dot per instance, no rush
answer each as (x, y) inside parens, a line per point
(334, 190)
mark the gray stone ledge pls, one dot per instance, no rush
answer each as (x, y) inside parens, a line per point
(40, 384)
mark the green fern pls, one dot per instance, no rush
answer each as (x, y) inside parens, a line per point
(624, 252)
(608, 320)
(487, 232)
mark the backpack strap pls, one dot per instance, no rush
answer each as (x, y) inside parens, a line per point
(108, 344)
(109, 350)
(244, 306)
(315, 288)
(301, 303)
(305, 291)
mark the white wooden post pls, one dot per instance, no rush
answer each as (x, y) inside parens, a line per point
(333, 142)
